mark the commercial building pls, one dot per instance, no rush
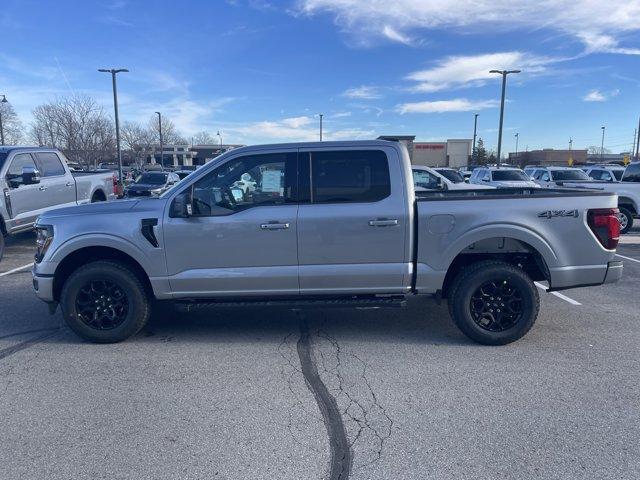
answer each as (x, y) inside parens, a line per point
(548, 156)
(205, 153)
(450, 153)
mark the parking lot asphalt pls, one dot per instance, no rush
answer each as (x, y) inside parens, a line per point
(222, 393)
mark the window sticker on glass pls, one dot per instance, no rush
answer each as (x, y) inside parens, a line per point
(271, 180)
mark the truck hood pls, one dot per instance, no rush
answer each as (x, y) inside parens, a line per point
(101, 208)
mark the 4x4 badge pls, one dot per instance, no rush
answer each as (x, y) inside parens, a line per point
(558, 213)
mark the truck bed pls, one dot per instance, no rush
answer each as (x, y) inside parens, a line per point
(551, 223)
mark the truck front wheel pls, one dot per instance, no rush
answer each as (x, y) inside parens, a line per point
(104, 302)
(493, 302)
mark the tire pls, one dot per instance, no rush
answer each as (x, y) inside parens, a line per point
(121, 300)
(490, 287)
(626, 219)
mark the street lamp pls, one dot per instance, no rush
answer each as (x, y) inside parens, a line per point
(161, 146)
(4, 100)
(321, 115)
(517, 135)
(504, 74)
(475, 129)
(113, 72)
(602, 146)
(220, 137)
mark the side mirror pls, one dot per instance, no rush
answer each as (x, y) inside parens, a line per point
(30, 176)
(441, 184)
(181, 206)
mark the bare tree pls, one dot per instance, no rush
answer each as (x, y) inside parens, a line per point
(203, 138)
(76, 125)
(140, 141)
(170, 134)
(593, 150)
(11, 125)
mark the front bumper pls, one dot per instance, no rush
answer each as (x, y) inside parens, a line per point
(43, 286)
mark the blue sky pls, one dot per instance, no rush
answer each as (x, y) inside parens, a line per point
(260, 71)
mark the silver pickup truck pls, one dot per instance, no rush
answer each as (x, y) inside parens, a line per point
(34, 180)
(331, 223)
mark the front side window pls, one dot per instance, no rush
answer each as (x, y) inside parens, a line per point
(451, 175)
(14, 173)
(349, 176)
(424, 179)
(632, 173)
(50, 164)
(245, 182)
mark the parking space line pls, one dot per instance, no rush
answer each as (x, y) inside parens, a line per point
(559, 295)
(17, 269)
(628, 258)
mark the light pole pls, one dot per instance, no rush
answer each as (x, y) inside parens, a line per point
(220, 137)
(517, 135)
(475, 129)
(321, 115)
(161, 145)
(4, 100)
(113, 72)
(602, 146)
(504, 74)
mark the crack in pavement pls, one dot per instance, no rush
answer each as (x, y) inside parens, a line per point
(8, 351)
(341, 455)
(369, 424)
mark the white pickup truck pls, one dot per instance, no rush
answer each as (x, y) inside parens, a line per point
(34, 180)
(327, 223)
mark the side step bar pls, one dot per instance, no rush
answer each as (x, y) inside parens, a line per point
(299, 303)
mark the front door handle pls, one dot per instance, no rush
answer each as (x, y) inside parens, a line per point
(42, 188)
(274, 226)
(383, 222)
(68, 184)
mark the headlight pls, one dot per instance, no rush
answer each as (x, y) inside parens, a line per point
(44, 237)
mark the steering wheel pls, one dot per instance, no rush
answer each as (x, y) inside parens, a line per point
(227, 191)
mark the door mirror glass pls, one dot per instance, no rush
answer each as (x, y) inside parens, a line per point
(181, 206)
(30, 176)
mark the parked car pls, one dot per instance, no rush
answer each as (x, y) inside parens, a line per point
(529, 169)
(426, 178)
(606, 173)
(548, 176)
(35, 180)
(503, 177)
(335, 223)
(151, 184)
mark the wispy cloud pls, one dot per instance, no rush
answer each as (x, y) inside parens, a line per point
(442, 106)
(596, 24)
(473, 70)
(363, 92)
(599, 96)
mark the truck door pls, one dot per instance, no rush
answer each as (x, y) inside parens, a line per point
(353, 227)
(237, 242)
(25, 199)
(56, 185)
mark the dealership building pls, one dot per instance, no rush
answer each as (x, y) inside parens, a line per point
(449, 153)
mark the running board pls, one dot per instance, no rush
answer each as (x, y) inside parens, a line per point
(294, 303)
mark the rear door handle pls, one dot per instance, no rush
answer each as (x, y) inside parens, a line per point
(383, 222)
(69, 184)
(274, 226)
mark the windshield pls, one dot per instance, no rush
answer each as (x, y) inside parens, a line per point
(560, 175)
(451, 175)
(509, 175)
(154, 178)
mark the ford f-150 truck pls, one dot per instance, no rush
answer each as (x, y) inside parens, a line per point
(330, 223)
(34, 180)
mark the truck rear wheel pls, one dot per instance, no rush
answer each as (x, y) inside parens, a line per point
(626, 219)
(104, 302)
(493, 302)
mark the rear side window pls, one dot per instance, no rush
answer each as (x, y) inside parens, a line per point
(349, 176)
(632, 173)
(50, 164)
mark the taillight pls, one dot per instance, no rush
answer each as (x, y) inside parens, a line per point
(604, 223)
